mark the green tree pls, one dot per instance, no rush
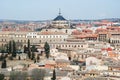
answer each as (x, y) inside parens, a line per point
(10, 47)
(4, 64)
(2, 57)
(14, 49)
(47, 49)
(4, 48)
(29, 50)
(32, 56)
(33, 49)
(25, 49)
(2, 76)
(54, 75)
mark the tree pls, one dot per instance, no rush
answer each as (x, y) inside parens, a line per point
(47, 49)
(2, 76)
(19, 58)
(6, 48)
(25, 49)
(54, 75)
(29, 50)
(33, 49)
(14, 49)
(4, 64)
(2, 57)
(32, 56)
(19, 45)
(2, 51)
(10, 47)
(3, 48)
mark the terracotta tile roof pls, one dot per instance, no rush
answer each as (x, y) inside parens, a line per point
(113, 28)
(15, 29)
(8, 29)
(86, 36)
(76, 32)
(107, 49)
(87, 31)
(112, 54)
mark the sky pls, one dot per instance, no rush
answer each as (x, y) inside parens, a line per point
(48, 9)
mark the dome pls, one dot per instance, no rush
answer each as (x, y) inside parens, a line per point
(59, 18)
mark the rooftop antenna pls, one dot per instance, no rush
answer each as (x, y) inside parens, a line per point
(59, 11)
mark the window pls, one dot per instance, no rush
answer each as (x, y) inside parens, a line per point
(69, 45)
(40, 41)
(75, 46)
(66, 45)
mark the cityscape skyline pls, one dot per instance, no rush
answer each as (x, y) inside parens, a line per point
(46, 10)
(59, 40)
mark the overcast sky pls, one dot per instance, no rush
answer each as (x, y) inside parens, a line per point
(48, 9)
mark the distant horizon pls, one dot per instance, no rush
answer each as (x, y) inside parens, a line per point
(49, 9)
(52, 19)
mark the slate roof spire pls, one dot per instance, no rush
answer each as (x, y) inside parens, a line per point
(59, 17)
(59, 11)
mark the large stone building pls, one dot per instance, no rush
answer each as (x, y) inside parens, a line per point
(60, 22)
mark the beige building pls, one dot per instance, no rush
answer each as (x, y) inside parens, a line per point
(60, 22)
(56, 39)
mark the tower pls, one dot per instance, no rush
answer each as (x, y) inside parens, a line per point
(60, 22)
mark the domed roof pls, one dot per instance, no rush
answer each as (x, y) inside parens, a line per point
(59, 18)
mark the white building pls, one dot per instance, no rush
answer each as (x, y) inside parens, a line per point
(92, 61)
